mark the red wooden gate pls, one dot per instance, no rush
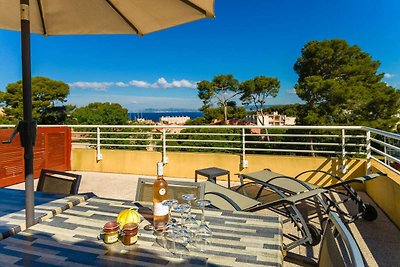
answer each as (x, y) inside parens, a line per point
(52, 151)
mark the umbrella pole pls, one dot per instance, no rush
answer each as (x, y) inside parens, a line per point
(27, 129)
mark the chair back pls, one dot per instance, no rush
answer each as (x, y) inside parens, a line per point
(144, 190)
(58, 182)
(338, 247)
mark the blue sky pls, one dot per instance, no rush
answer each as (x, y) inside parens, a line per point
(246, 39)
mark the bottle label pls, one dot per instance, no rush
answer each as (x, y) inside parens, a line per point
(160, 169)
(160, 209)
(162, 191)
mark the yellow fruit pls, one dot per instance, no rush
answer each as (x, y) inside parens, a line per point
(128, 216)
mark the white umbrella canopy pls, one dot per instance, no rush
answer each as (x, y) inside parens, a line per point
(75, 17)
(65, 17)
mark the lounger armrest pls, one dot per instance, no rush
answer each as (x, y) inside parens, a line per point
(229, 200)
(331, 175)
(290, 199)
(302, 196)
(361, 179)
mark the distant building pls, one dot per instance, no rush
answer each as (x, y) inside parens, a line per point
(144, 121)
(271, 119)
(180, 120)
(290, 120)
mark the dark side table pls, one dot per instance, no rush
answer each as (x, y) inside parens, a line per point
(212, 174)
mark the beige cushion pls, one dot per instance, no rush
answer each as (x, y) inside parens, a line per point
(242, 201)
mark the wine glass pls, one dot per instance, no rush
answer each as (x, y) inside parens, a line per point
(204, 233)
(180, 232)
(172, 235)
(181, 208)
(190, 220)
(182, 238)
(170, 203)
(189, 198)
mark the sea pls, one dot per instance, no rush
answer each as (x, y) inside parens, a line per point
(155, 116)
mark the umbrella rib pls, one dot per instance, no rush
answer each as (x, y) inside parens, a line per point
(124, 18)
(39, 2)
(201, 10)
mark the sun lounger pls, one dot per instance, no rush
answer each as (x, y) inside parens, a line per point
(226, 199)
(267, 179)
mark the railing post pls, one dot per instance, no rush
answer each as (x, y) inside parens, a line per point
(164, 146)
(385, 150)
(368, 151)
(244, 163)
(343, 167)
(99, 156)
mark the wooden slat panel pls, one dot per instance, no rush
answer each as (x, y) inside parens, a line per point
(52, 151)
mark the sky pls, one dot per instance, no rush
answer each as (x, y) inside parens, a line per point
(246, 39)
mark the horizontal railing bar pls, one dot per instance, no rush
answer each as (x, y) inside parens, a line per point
(123, 145)
(143, 133)
(299, 127)
(213, 134)
(228, 134)
(385, 154)
(306, 135)
(383, 133)
(385, 144)
(386, 165)
(205, 147)
(290, 143)
(298, 143)
(292, 150)
(131, 139)
(83, 133)
(204, 141)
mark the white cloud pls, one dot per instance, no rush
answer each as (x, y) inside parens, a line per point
(389, 76)
(161, 83)
(141, 84)
(97, 86)
(121, 84)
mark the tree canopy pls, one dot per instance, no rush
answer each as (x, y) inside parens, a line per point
(223, 89)
(216, 114)
(255, 91)
(48, 97)
(100, 114)
(340, 85)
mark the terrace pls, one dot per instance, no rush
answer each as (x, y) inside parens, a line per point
(118, 155)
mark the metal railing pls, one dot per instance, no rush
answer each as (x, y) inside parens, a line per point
(337, 141)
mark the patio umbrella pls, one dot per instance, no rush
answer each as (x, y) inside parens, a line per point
(64, 17)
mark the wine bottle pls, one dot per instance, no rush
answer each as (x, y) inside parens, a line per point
(160, 193)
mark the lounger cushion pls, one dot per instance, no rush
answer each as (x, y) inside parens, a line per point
(242, 201)
(283, 181)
